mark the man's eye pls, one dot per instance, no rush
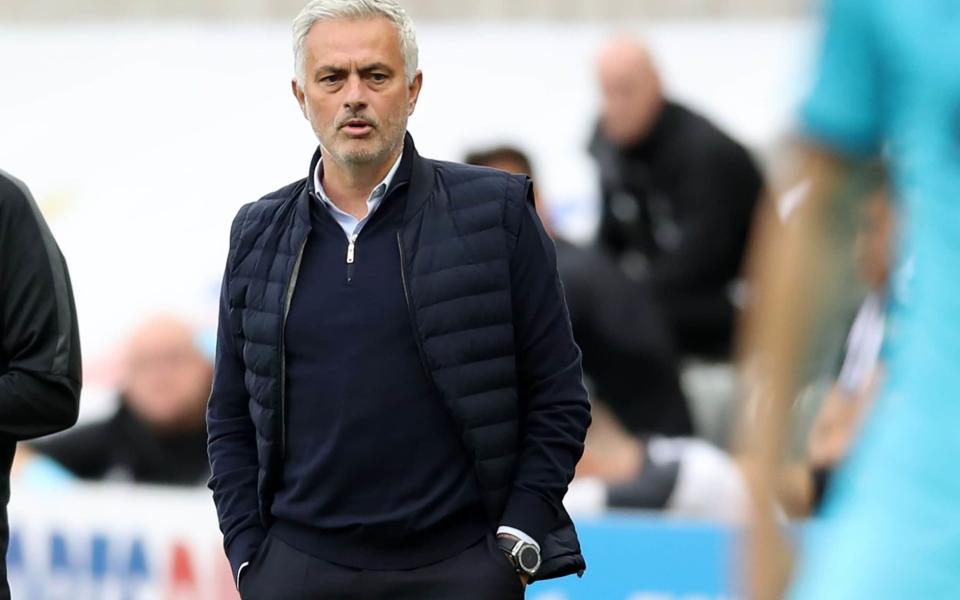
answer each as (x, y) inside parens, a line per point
(378, 77)
(328, 79)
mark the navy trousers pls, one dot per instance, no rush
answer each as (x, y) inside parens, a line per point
(281, 572)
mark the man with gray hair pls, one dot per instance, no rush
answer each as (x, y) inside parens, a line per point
(397, 406)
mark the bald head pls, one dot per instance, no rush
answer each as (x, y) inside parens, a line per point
(632, 95)
(161, 328)
(167, 377)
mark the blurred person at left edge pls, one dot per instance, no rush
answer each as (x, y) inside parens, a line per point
(39, 339)
(398, 405)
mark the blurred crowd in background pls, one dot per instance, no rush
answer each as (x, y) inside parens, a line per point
(655, 298)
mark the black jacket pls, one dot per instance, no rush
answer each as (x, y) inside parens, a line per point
(459, 228)
(125, 448)
(682, 199)
(39, 340)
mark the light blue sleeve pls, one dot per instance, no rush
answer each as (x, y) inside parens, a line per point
(843, 111)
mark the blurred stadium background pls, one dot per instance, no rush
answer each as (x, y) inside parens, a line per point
(123, 116)
(539, 10)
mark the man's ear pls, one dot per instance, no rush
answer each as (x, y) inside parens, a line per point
(299, 95)
(415, 88)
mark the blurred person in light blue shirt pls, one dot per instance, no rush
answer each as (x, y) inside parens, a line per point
(888, 80)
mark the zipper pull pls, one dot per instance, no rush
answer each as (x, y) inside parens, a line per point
(350, 246)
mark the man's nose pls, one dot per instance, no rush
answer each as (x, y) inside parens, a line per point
(355, 96)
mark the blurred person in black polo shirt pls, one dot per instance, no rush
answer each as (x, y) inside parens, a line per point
(158, 434)
(39, 339)
(627, 352)
(678, 198)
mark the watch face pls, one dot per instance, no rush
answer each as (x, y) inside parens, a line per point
(529, 557)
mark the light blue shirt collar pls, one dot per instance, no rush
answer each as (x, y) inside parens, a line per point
(351, 225)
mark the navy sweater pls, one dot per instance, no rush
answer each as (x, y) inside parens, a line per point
(375, 475)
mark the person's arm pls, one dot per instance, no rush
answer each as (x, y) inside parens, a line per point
(40, 385)
(610, 235)
(232, 445)
(694, 273)
(792, 275)
(84, 451)
(714, 207)
(794, 265)
(554, 409)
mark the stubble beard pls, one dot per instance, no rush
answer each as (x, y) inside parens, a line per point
(392, 136)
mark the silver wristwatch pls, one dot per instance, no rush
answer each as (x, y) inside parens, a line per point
(524, 556)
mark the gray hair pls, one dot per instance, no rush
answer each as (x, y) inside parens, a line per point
(329, 10)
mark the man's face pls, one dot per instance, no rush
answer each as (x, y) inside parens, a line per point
(167, 379)
(354, 92)
(631, 100)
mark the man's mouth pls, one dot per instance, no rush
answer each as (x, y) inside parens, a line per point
(357, 127)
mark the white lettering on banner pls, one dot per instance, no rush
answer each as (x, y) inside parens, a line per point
(116, 542)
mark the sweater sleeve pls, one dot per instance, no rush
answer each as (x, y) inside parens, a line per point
(554, 409)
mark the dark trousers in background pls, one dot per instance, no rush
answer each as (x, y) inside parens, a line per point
(7, 449)
(4, 533)
(281, 572)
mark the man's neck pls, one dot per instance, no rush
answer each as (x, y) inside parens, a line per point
(349, 186)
